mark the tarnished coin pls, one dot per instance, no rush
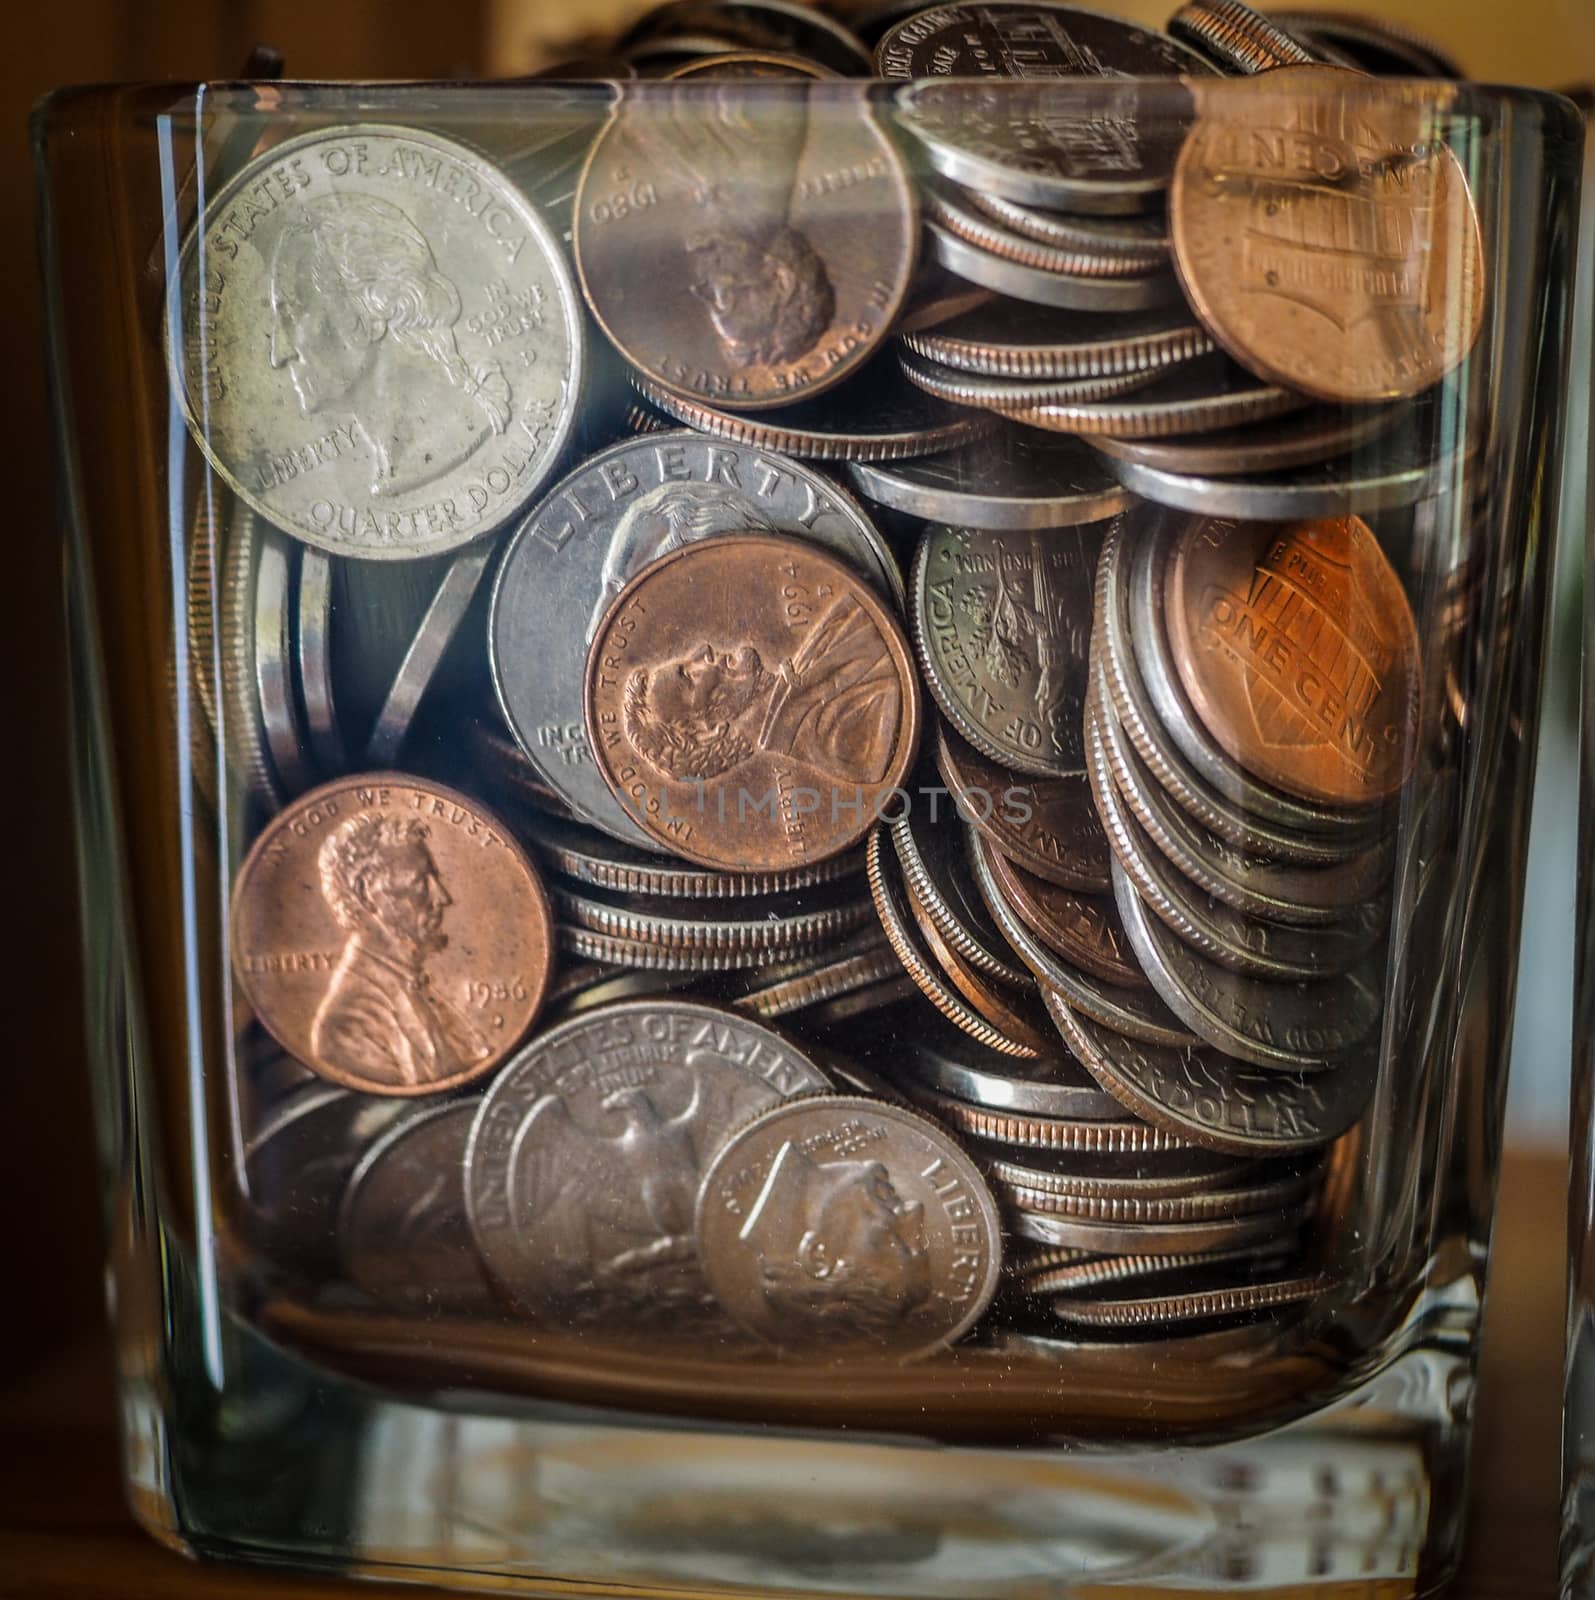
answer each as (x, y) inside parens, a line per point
(1239, 37)
(752, 703)
(1012, 481)
(587, 1152)
(402, 1228)
(718, 242)
(621, 509)
(1005, 275)
(1082, 928)
(1016, 394)
(380, 346)
(1353, 269)
(1010, 339)
(1298, 649)
(1207, 1098)
(1002, 625)
(879, 416)
(1048, 825)
(1026, 141)
(391, 934)
(763, 25)
(1137, 244)
(1292, 1027)
(1199, 397)
(835, 1224)
(1308, 437)
(1137, 1012)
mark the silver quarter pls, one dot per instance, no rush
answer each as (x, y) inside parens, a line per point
(446, 408)
(645, 955)
(1210, 1099)
(619, 510)
(815, 987)
(1308, 437)
(1016, 394)
(1104, 1136)
(585, 1159)
(1192, 1305)
(1141, 1210)
(1167, 1238)
(402, 1229)
(1069, 291)
(837, 1224)
(1289, 1027)
(1166, 1176)
(1013, 481)
(1009, 339)
(1139, 244)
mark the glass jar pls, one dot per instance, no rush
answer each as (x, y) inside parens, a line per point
(522, 1171)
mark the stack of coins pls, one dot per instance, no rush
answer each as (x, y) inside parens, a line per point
(823, 679)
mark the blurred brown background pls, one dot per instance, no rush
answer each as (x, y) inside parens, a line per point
(47, 1191)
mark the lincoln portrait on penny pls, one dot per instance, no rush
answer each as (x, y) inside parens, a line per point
(363, 320)
(834, 704)
(382, 1020)
(836, 1246)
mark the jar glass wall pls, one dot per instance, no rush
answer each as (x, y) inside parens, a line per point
(729, 835)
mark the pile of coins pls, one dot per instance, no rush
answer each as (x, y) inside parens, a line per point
(820, 676)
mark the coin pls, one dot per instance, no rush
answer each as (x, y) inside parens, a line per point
(1049, 826)
(1137, 244)
(378, 345)
(1194, 1306)
(648, 955)
(1083, 929)
(1272, 1193)
(718, 243)
(892, 907)
(1064, 1271)
(1167, 1176)
(1071, 291)
(585, 1159)
(1167, 1238)
(1002, 627)
(1238, 37)
(1011, 481)
(390, 934)
(1308, 437)
(602, 524)
(1198, 397)
(837, 1223)
(1023, 141)
(1276, 268)
(313, 661)
(1010, 339)
(1017, 394)
(274, 676)
(243, 730)
(879, 416)
(1136, 1012)
(1102, 1136)
(752, 703)
(589, 857)
(402, 1229)
(836, 978)
(1207, 1098)
(750, 66)
(758, 25)
(1298, 649)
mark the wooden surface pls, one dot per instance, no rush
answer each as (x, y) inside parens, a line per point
(64, 1534)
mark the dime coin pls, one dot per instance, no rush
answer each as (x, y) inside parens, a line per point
(846, 976)
(621, 509)
(763, 25)
(1173, 1175)
(1071, 291)
(1238, 37)
(589, 857)
(1013, 481)
(936, 875)
(1276, 268)
(1136, 1012)
(645, 955)
(879, 416)
(1102, 1136)
(313, 660)
(1002, 626)
(1207, 1098)
(1200, 397)
(1049, 826)
(892, 908)
(1193, 1306)
(1063, 1271)
(1010, 339)
(1298, 649)
(1084, 929)
(718, 242)
(402, 1227)
(1305, 439)
(379, 347)
(587, 1154)
(390, 934)
(752, 703)
(1017, 394)
(1167, 1238)
(790, 923)
(836, 1223)
(1025, 141)
(1293, 1027)
(1137, 244)
(1273, 1193)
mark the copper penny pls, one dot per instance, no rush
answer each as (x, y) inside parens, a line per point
(391, 934)
(1082, 928)
(1297, 647)
(1048, 825)
(1325, 236)
(752, 703)
(717, 237)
